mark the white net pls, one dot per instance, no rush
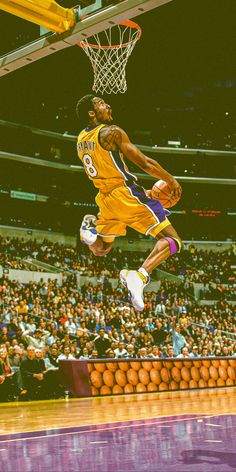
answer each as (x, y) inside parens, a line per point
(109, 52)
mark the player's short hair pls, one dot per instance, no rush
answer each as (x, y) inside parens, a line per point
(83, 106)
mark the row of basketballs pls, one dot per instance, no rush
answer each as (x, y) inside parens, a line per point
(108, 378)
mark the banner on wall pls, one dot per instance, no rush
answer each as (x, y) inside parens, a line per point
(127, 376)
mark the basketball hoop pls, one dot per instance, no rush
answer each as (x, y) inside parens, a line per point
(109, 52)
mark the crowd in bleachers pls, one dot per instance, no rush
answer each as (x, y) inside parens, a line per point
(192, 264)
(42, 323)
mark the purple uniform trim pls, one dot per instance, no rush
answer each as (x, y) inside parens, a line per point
(154, 205)
(173, 245)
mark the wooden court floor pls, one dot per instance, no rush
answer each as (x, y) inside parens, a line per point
(58, 414)
(187, 431)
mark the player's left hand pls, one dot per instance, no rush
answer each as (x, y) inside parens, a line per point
(176, 189)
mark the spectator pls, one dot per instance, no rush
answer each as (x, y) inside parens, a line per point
(178, 339)
(66, 355)
(195, 351)
(38, 340)
(33, 377)
(102, 344)
(120, 351)
(184, 352)
(131, 351)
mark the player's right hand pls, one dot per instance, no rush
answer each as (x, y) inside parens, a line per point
(176, 189)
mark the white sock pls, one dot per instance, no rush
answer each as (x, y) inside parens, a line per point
(144, 272)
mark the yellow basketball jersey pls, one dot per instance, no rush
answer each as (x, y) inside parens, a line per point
(106, 169)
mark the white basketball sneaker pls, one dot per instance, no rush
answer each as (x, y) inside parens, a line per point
(135, 282)
(88, 232)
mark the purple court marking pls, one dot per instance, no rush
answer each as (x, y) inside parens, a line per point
(180, 444)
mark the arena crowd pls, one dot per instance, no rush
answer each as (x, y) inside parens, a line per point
(42, 323)
(195, 265)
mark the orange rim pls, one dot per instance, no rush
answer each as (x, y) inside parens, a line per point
(129, 23)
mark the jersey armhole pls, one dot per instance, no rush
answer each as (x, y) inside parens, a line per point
(99, 138)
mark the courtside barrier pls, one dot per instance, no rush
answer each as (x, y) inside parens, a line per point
(85, 378)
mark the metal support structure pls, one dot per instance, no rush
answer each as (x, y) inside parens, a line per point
(45, 13)
(85, 28)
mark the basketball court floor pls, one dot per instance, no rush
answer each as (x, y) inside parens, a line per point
(188, 431)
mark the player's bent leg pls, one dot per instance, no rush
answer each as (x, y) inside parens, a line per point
(168, 243)
(99, 245)
(88, 232)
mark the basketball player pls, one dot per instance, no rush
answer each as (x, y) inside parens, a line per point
(102, 147)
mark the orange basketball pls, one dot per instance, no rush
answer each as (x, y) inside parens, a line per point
(94, 391)
(100, 367)
(123, 366)
(232, 362)
(108, 378)
(96, 379)
(213, 372)
(211, 383)
(90, 368)
(195, 373)
(135, 365)
(197, 363)
(223, 373)
(178, 364)
(206, 363)
(157, 365)
(168, 364)
(163, 386)
(193, 384)
(144, 376)
(215, 363)
(204, 372)
(112, 366)
(132, 377)
(173, 385)
(155, 376)
(224, 363)
(147, 365)
(229, 382)
(165, 375)
(162, 192)
(176, 374)
(128, 388)
(105, 390)
(185, 374)
(231, 373)
(120, 378)
(183, 385)
(202, 383)
(117, 389)
(152, 387)
(220, 382)
(141, 388)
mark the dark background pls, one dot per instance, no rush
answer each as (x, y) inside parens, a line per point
(181, 86)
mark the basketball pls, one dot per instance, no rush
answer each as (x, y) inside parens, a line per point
(162, 192)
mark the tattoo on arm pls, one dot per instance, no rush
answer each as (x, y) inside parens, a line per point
(110, 138)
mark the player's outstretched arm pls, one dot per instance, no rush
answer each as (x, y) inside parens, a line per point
(113, 138)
